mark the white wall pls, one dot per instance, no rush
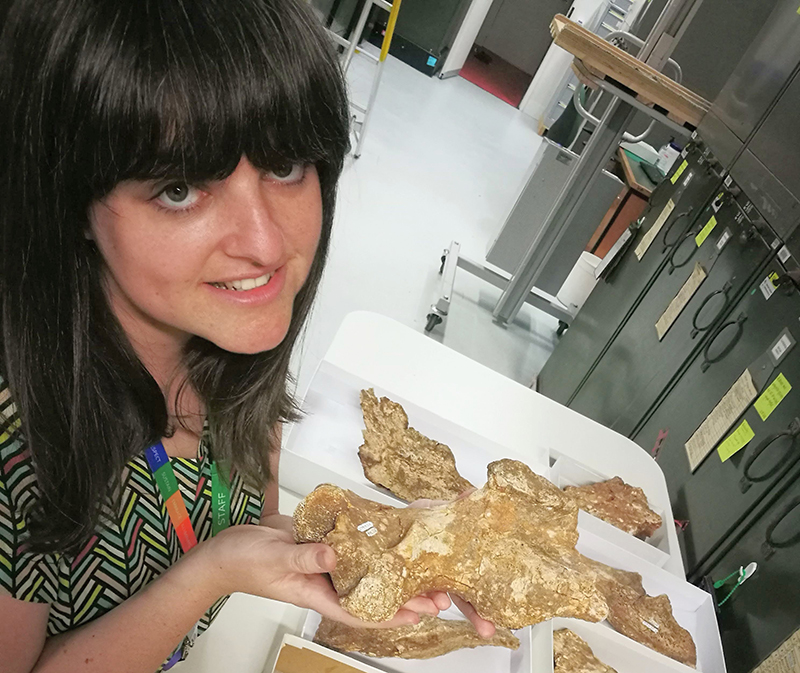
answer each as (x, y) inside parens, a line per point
(557, 62)
(469, 30)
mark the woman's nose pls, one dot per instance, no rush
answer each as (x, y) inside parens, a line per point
(252, 230)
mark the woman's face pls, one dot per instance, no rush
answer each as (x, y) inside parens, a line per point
(222, 260)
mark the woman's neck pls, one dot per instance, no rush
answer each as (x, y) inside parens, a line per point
(160, 350)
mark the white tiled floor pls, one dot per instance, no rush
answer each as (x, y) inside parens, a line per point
(442, 160)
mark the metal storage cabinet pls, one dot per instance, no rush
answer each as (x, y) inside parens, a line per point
(717, 496)
(637, 367)
(613, 299)
(765, 610)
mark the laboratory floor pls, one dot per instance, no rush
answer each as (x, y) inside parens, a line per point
(442, 161)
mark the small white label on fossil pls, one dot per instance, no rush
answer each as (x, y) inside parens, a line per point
(371, 532)
(650, 625)
(366, 526)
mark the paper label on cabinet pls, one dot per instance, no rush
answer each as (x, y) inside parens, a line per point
(683, 297)
(772, 396)
(705, 231)
(726, 236)
(784, 343)
(651, 234)
(677, 174)
(736, 441)
(768, 286)
(719, 421)
(784, 254)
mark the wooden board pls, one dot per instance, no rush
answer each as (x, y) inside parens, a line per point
(601, 59)
(634, 175)
(295, 660)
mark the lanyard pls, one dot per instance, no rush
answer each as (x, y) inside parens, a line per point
(167, 484)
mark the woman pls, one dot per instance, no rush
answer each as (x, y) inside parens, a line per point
(168, 183)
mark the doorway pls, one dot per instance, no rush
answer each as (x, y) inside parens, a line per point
(510, 46)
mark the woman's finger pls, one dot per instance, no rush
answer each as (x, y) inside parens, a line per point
(484, 628)
(422, 605)
(440, 599)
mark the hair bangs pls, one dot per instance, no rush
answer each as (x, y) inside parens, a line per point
(192, 104)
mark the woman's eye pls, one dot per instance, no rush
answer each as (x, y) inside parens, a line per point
(178, 196)
(287, 173)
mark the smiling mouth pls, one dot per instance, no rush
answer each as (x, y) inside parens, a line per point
(244, 284)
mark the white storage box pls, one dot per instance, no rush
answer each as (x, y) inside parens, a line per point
(610, 647)
(475, 660)
(655, 549)
(692, 607)
(330, 434)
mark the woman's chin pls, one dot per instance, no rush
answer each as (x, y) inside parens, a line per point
(245, 343)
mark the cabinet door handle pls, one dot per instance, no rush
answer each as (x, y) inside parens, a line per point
(770, 543)
(738, 326)
(749, 479)
(696, 329)
(692, 250)
(667, 245)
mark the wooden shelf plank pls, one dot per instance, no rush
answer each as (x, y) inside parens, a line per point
(604, 60)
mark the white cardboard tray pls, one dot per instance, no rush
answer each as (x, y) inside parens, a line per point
(330, 434)
(692, 607)
(655, 549)
(303, 644)
(322, 448)
(475, 660)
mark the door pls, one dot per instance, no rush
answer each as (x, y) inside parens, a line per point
(617, 294)
(755, 340)
(518, 31)
(683, 304)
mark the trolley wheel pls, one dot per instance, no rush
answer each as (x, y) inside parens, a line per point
(441, 266)
(433, 320)
(562, 327)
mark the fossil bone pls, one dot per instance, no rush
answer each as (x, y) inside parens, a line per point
(401, 459)
(432, 637)
(619, 504)
(571, 654)
(508, 548)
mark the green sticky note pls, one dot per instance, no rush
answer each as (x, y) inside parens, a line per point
(679, 172)
(736, 441)
(772, 396)
(705, 231)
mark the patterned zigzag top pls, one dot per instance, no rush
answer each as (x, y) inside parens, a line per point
(136, 545)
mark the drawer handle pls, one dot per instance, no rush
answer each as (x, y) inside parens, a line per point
(738, 324)
(667, 245)
(696, 329)
(770, 543)
(748, 479)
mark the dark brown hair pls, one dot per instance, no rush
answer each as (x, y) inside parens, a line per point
(92, 93)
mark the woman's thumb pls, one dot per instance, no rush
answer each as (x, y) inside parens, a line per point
(312, 558)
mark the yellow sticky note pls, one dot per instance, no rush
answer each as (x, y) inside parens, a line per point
(772, 396)
(736, 441)
(705, 231)
(679, 172)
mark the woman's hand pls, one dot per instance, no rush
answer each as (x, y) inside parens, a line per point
(265, 561)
